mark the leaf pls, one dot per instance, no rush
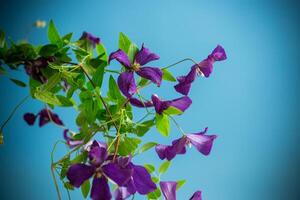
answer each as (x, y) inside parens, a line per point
(172, 111)
(150, 168)
(53, 34)
(2, 39)
(64, 101)
(168, 76)
(127, 46)
(143, 128)
(101, 50)
(98, 76)
(164, 167)
(147, 146)
(48, 50)
(163, 124)
(180, 183)
(18, 82)
(80, 158)
(85, 188)
(114, 91)
(2, 70)
(52, 82)
(128, 145)
(68, 186)
(154, 195)
(143, 82)
(67, 38)
(47, 97)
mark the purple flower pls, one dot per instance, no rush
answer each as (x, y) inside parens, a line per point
(126, 80)
(168, 189)
(203, 143)
(205, 68)
(71, 142)
(101, 168)
(45, 116)
(90, 38)
(34, 68)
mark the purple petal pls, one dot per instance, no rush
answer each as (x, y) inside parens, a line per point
(206, 67)
(91, 38)
(118, 174)
(161, 151)
(123, 161)
(136, 102)
(46, 116)
(203, 143)
(122, 57)
(179, 145)
(159, 105)
(70, 141)
(78, 173)
(127, 84)
(185, 82)
(153, 74)
(97, 154)
(100, 189)
(125, 191)
(29, 118)
(218, 53)
(144, 56)
(142, 180)
(181, 103)
(168, 189)
(196, 196)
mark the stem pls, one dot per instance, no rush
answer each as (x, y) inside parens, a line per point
(55, 182)
(186, 59)
(112, 71)
(177, 125)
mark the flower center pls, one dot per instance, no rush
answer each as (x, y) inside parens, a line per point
(136, 66)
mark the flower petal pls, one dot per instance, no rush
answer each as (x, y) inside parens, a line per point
(218, 53)
(202, 142)
(181, 103)
(144, 56)
(29, 118)
(91, 38)
(120, 56)
(142, 180)
(70, 141)
(127, 84)
(78, 173)
(196, 196)
(46, 116)
(118, 174)
(153, 74)
(124, 192)
(179, 145)
(185, 82)
(159, 105)
(168, 189)
(97, 154)
(100, 189)
(206, 67)
(136, 102)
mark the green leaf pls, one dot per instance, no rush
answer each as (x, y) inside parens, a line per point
(143, 128)
(64, 101)
(128, 145)
(47, 97)
(68, 186)
(80, 158)
(150, 168)
(101, 50)
(163, 124)
(48, 50)
(18, 82)
(164, 167)
(52, 82)
(168, 76)
(67, 38)
(155, 179)
(2, 39)
(147, 146)
(98, 76)
(180, 183)
(53, 34)
(143, 82)
(114, 91)
(85, 188)
(2, 70)
(127, 46)
(154, 195)
(172, 111)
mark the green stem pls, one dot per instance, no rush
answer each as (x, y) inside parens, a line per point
(55, 182)
(186, 59)
(177, 125)
(112, 71)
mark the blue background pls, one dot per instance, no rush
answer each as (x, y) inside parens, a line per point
(250, 101)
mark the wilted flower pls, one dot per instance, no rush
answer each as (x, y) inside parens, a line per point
(93, 40)
(45, 116)
(204, 68)
(202, 142)
(71, 142)
(126, 80)
(168, 189)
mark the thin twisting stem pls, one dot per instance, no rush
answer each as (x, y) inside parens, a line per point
(186, 59)
(55, 182)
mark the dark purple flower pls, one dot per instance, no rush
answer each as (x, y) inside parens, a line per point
(101, 168)
(168, 188)
(45, 116)
(126, 80)
(181, 103)
(90, 38)
(205, 68)
(34, 68)
(203, 143)
(71, 142)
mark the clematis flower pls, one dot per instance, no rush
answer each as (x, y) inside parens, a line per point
(34, 68)
(140, 180)
(71, 142)
(101, 168)
(204, 68)
(126, 80)
(203, 143)
(45, 116)
(90, 38)
(168, 189)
